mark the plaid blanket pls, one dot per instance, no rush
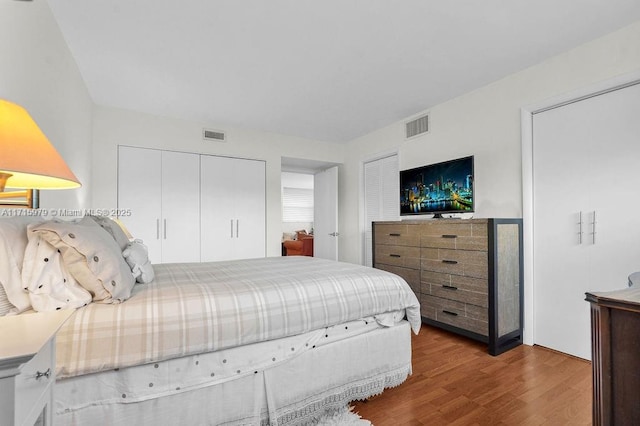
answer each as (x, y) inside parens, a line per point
(192, 308)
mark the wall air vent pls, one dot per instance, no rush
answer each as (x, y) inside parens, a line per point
(417, 127)
(213, 135)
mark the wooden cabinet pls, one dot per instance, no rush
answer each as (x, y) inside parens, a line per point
(27, 367)
(191, 207)
(467, 274)
(615, 351)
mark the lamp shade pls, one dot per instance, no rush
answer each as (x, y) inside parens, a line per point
(27, 158)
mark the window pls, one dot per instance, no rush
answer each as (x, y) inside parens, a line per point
(297, 204)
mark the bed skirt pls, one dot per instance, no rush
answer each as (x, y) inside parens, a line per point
(293, 392)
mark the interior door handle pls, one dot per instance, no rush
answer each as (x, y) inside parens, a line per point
(334, 234)
(580, 228)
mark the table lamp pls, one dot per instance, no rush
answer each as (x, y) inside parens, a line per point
(27, 158)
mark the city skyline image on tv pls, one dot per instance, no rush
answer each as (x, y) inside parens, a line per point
(445, 187)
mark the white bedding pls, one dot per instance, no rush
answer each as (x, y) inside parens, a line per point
(203, 307)
(341, 364)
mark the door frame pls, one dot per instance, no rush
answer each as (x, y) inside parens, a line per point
(361, 195)
(526, 117)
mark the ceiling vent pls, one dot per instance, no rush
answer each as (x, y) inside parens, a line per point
(213, 135)
(417, 127)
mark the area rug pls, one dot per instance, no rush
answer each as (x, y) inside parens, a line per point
(343, 417)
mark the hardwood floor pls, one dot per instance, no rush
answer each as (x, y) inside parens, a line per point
(456, 382)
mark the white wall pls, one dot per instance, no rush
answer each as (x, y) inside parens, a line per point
(113, 127)
(297, 180)
(485, 123)
(38, 73)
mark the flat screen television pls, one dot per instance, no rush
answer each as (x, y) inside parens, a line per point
(438, 188)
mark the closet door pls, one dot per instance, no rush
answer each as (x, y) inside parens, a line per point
(250, 214)
(180, 227)
(382, 197)
(217, 187)
(585, 184)
(140, 191)
(232, 208)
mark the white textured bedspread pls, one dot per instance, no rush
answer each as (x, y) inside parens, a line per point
(192, 308)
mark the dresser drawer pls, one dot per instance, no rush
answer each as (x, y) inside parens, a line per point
(397, 255)
(458, 262)
(448, 227)
(449, 241)
(468, 290)
(455, 235)
(396, 234)
(455, 313)
(411, 276)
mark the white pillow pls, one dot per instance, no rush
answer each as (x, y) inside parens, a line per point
(13, 241)
(113, 229)
(51, 286)
(91, 255)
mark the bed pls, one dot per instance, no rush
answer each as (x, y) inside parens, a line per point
(262, 341)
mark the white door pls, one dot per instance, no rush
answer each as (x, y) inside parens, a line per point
(180, 207)
(325, 214)
(233, 211)
(140, 191)
(585, 158)
(250, 209)
(382, 194)
(161, 189)
(217, 208)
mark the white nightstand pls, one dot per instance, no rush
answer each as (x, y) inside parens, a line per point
(27, 366)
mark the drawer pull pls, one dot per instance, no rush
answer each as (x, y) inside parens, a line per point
(394, 255)
(449, 236)
(449, 313)
(394, 235)
(449, 287)
(45, 374)
(450, 262)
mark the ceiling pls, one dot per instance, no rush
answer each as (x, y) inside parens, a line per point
(330, 70)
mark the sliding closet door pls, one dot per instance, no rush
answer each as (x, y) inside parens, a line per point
(586, 226)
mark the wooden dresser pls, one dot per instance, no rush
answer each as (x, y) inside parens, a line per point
(467, 273)
(615, 349)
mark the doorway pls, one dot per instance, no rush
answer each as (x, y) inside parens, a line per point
(309, 204)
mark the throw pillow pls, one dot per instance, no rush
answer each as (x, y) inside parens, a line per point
(92, 256)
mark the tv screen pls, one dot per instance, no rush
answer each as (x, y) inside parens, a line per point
(445, 187)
